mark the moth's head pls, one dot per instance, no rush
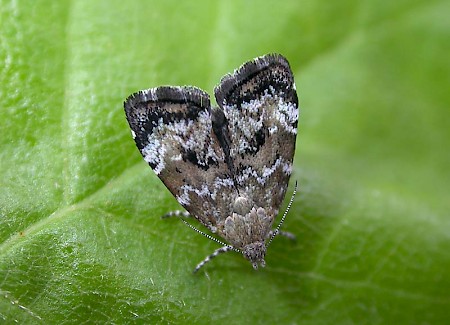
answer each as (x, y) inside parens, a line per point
(255, 253)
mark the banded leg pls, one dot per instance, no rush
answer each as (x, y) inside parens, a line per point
(176, 213)
(286, 234)
(218, 251)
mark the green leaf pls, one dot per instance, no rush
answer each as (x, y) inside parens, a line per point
(81, 240)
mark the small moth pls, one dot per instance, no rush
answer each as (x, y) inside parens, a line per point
(228, 166)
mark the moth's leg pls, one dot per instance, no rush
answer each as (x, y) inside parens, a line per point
(176, 213)
(282, 233)
(218, 251)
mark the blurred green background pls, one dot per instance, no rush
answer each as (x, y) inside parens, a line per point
(81, 240)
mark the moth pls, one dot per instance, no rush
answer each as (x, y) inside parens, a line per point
(227, 165)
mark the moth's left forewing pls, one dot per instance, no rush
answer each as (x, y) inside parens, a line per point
(260, 103)
(172, 129)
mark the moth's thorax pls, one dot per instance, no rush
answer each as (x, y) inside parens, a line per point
(248, 227)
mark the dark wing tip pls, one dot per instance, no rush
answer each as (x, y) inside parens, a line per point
(174, 94)
(246, 70)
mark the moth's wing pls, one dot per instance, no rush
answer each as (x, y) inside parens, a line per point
(260, 104)
(172, 129)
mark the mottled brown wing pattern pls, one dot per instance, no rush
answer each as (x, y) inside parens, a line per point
(172, 129)
(260, 104)
(229, 166)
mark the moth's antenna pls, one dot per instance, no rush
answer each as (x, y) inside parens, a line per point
(284, 215)
(209, 237)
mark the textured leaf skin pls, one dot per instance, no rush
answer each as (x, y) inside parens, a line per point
(80, 235)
